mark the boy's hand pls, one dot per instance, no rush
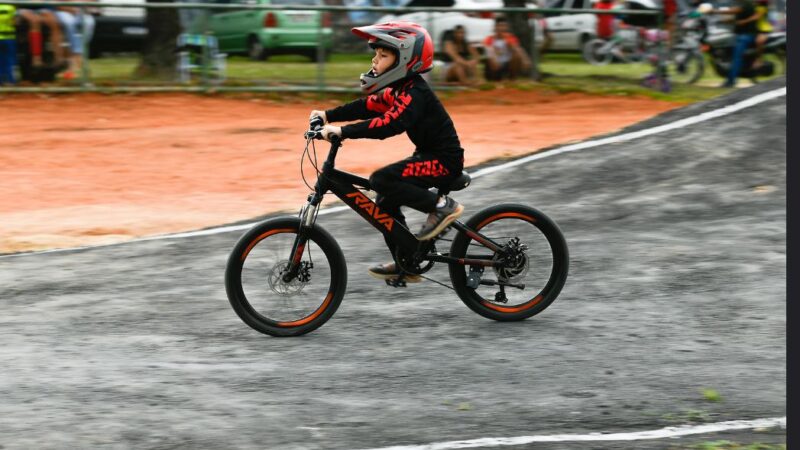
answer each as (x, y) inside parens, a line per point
(329, 130)
(318, 114)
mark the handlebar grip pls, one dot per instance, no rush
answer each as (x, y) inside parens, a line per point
(316, 123)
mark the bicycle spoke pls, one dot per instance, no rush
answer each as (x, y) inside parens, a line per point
(532, 269)
(269, 294)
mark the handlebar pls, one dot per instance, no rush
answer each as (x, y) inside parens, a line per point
(315, 125)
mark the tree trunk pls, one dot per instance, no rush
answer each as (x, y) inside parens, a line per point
(518, 22)
(522, 29)
(158, 56)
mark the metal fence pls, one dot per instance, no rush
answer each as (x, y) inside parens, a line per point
(207, 58)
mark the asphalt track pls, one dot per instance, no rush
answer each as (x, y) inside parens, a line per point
(677, 284)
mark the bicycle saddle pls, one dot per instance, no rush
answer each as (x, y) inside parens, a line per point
(461, 182)
(457, 184)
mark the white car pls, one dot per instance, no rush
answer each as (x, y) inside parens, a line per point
(478, 25)
(571, 31)
(568, 32)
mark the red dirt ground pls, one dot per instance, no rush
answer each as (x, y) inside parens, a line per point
(93, 169)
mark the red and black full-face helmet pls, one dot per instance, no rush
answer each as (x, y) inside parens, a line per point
(411, 44)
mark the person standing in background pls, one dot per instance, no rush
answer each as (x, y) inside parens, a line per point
(79, 28)
(744, 27)
(763, 29)
(605, 22)
(8, 44)
(670, 19)
(38, 17)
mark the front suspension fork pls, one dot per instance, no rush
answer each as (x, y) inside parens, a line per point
(308, 214)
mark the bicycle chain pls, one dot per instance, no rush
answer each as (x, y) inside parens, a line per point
(431, 279)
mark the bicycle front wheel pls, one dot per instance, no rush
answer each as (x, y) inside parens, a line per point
(597, 52)
(257, 286)
(531, 269)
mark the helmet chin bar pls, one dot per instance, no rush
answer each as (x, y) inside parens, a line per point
(375, 85)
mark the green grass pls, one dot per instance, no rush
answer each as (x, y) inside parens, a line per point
(564, 72)
(340, 69)
(711, 395)
(570, 73)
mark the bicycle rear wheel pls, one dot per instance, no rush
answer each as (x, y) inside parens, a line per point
(536, 258)
(258, 292)
(686, 66)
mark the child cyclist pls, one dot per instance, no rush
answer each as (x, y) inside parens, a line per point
(398, 101)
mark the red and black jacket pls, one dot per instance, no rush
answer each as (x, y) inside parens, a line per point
(408, 105)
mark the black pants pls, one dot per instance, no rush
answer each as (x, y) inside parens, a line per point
(406, 183)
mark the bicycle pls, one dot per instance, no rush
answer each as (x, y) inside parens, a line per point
(683, 62)
(287, 276)
(623, 46)
(686, 57)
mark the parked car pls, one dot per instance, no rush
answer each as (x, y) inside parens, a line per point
(478, 25)
(261, 33)
(567, 31)
(571, 31)
(118, 29)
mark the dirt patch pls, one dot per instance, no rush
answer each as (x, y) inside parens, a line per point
(91, 169)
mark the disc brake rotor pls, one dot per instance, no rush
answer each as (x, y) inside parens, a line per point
(515, 262)
(294, 287)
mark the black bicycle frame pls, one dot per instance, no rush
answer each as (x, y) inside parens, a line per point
(346, 186)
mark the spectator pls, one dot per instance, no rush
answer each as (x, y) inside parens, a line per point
(763, 28)
(744, 27)
(505, 58)
(670, 19)
(37, 17)
(8, 44)
(605, 22)
(79, 27)
(459, 56)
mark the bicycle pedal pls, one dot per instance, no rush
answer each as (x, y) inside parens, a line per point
(396, 282)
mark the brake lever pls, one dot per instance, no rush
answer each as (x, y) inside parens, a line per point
(317, 134)
(316, 123)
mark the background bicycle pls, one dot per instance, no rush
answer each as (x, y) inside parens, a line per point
(683, 60)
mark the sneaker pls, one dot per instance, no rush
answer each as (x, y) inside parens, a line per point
(389, 271)
(727, 85)
(440, 219)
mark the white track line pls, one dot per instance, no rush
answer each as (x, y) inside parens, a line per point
(730, 109)
(669, 432)
(724, 111)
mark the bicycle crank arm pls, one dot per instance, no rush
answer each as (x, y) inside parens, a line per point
(500, 283)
